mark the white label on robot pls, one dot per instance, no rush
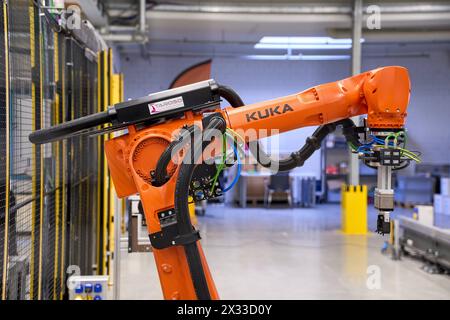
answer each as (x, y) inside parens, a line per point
(166, 105)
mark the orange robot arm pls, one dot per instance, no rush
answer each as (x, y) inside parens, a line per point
(382, 93)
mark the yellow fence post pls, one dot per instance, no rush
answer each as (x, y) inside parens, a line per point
(5, 253)
(115, 86)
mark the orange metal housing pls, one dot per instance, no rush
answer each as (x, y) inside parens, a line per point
(382, 93)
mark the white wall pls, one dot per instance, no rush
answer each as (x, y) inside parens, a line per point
(429, 111)
(142, 76)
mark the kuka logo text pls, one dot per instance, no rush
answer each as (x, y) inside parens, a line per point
(270, 112)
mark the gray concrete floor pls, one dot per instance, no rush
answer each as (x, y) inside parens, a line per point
(282, 253)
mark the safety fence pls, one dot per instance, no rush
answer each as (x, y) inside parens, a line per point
(56, 200)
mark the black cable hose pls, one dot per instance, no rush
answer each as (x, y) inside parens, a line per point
(161, 176)
(184, 223)
(231, 96)
(349, 132)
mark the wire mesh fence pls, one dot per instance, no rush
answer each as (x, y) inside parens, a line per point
(49, 194)
(82, 173)
(22, 205)
(4, 134)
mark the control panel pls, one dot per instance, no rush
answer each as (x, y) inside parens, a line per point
(88, 287)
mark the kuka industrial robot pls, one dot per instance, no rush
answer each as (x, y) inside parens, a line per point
(181, 121)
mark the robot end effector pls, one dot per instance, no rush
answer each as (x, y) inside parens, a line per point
(385, 147)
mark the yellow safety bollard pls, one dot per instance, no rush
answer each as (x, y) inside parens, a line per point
(354, 209)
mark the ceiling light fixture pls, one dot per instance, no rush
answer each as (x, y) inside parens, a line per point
(297, 57)
(307, 43)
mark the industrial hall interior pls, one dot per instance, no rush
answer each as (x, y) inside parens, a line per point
(236, 150)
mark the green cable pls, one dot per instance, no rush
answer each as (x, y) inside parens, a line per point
(352, 146)
(411, 155)
(403, 150)
(222, 164)
(386, 140)
(216, 176)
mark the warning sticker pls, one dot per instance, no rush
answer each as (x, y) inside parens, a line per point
(166, 105)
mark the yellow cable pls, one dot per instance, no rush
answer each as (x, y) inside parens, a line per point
(236, 134)
(240, 146)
